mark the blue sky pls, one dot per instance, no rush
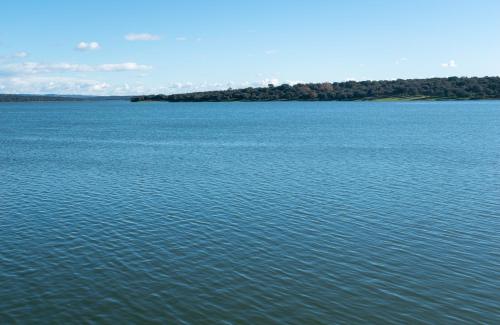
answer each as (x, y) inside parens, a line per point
(135, 47)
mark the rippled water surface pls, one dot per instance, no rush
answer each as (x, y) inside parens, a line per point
(113, 212)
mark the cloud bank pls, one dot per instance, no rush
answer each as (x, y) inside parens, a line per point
(39, 84)
(37, 68)
(52, 85)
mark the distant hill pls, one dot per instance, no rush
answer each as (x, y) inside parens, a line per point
(52, 98)
(452, 88)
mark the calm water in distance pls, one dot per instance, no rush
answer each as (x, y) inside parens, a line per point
(259, 213)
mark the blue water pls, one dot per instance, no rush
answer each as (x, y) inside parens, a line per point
(258, 213)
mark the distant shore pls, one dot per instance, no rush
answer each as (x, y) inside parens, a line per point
(13, 98)
(452, 88)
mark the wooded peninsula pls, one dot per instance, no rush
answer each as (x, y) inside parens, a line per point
(452, 88)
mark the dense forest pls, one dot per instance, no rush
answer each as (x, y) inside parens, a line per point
(55, 98)
(410, 89)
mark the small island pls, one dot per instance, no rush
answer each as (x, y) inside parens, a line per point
(452, 88)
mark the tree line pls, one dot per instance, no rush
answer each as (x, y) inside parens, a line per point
(431, 88)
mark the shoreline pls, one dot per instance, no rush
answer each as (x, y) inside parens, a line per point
(382, 100)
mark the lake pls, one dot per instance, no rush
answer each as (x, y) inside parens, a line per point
(258, 213)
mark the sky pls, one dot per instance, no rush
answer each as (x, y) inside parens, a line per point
(148, 47)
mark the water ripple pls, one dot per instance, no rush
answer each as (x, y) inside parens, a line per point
(250, 213)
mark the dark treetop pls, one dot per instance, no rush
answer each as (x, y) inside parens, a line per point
(411, 89)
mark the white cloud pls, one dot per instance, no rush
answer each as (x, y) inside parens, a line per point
(52, 85)
(141, 37)
(181, 39)
(127, 66)
(271, 52)
(264, 82)
(98, 87)
(36, 68)
(88, 46)
(39, 84)
(21, 54)
(449, 64)
(184, 87)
